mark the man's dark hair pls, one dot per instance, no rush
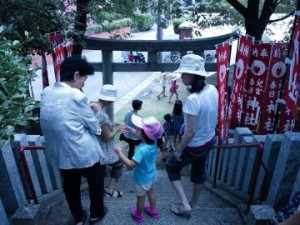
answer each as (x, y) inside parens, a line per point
(137, 104)
(72, 64)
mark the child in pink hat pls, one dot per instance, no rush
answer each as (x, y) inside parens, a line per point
(143, 162)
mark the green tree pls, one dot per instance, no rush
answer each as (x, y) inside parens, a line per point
(36, 17)
(256, 13)
(16, 105)
(253, 14)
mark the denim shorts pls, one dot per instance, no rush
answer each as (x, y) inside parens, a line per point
(193, 156)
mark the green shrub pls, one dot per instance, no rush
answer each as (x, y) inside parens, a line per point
(17, 106)
(108, 26)
(142, 22)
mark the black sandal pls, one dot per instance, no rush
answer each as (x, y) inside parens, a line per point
(179, 211)
(115, 194)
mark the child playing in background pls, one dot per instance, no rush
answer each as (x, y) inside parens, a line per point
(144, 164)
(168, 133)
(173, 89)
(163, 83)
(177, 116)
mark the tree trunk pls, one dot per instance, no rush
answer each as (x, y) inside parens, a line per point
(255, 29)
(80, 25)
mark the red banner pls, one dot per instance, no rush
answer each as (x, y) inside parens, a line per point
(223, 62)
(59, 53)
(69, 48)
(45, 79)
(275, 78)
(288, 112)
(57, 49)
(239, 78)
(56, 38)
(255, 84)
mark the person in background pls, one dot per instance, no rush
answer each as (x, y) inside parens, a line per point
(173, 89)
(106, 96)
(144, 164)
(200, 120)
(168, 126)
(130, 57)
(177, 115)
(70, 128)
(127, 136)
(163, 83)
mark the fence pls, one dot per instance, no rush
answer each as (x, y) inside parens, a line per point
(281, 159)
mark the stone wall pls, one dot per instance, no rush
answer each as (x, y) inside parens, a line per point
(281, 160)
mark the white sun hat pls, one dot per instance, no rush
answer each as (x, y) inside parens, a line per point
(108, 92)
(151, 126)
(192, 64)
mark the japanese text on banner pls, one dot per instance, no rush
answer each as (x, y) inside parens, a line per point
(275, 77)
(223, 60)
(255, 85)
(287, 114)
(239, 78)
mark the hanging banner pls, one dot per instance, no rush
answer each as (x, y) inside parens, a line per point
(288, 111)
(45, 79)
(239, 78)
(59, 53)
(223, 62)
(274, 84)
(69, 48)
(56, 38)
(57, 50)
(256, 84)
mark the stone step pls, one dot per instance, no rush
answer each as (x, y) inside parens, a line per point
(214, 210)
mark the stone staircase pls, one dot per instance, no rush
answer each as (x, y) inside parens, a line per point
(214, 209)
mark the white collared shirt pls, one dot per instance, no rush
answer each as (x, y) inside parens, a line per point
(69, 127)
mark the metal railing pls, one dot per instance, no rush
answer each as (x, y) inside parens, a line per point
(27, 171)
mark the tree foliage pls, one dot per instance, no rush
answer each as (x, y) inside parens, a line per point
(16, 105)
(254, 15)
(37, 17)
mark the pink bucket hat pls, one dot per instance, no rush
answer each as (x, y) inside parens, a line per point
(151, 126)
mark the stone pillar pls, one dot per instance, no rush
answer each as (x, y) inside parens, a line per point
(285, 172)
(249, 163)
(40, 163)
(3, 217)
(243, 158)
(233, 154)
(258, 139)
(271, 149)
(11, 190)
(297, 183)
(53, 172)
(28, 215)
(19, 141)
(260, 215)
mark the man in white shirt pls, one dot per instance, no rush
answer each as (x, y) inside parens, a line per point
(70, 127)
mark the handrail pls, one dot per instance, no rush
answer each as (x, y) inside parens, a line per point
(26, 168)
(255, 170)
